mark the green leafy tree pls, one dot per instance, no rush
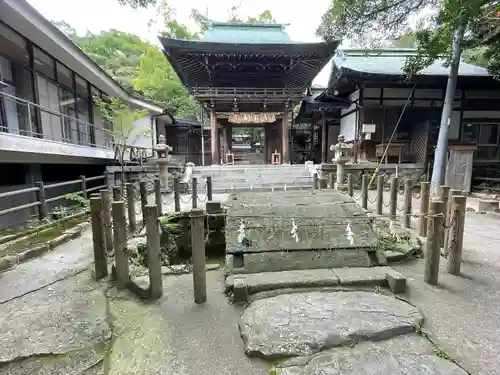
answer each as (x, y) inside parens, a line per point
(137, 3)
(157, 80)
(124, 134)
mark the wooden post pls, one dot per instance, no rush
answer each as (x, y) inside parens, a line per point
(424, 208)
(453, 193)
(315, 182)
(198, 253)
(445, 196)
(120, 244)
(394, 197)
(154, 254)
(456, 234)
(158, 196)
(407, 203)
(106, 219)
(143, 189)
(364, 191)
(350, 190)
(109, 179)
(40, 197)
(177, 195)
(331, 181)
(194, 192)
(101, 265)
(432, 253)
(209, 188)
(380, 194)
(117, 193)
(84, 187)
(131, 206)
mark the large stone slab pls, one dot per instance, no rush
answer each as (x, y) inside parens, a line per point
(303, 260)
(321, 219)
(402, 355)
(65, 316)
(81, 362)
(305, 323)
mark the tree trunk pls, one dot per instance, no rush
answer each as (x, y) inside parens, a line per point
(441, 153)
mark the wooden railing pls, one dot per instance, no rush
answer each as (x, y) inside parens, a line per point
(40, 190)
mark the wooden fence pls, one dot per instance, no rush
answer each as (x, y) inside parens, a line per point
(40, 190)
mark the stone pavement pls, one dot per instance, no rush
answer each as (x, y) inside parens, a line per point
(55, 320)
(462, 312)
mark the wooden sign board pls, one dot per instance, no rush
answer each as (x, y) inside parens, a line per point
(230, 159)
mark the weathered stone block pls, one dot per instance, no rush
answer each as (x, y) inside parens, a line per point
(213, 207)
(360, 276)
(396, 281)
(485, 205)
(240, 291)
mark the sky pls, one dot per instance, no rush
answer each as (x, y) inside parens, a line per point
(97, 15)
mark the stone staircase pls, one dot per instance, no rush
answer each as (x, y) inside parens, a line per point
(263, 177)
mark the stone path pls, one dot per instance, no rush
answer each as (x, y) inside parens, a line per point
(54, 320)
(462, 311)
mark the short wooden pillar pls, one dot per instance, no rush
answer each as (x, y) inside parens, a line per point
(154, 253)
(209, 188)
(380, 194)
(131, 206)
(453, 193)
(158, 196)
(120, 244)
(432, 248)
(100, 261)
(198, 254)
(394, 198)
(350, 187)
(106, 219)
(424, 208)
(407, 203)
(456, 234)
(143, 189)
(364, 191)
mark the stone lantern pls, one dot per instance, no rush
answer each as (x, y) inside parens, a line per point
(341, 157)
(163, 159)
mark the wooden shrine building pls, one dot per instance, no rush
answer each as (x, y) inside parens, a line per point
(379, 108)
(247, 75)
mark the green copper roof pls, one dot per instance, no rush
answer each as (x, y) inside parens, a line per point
(246, 33)
(391, 62)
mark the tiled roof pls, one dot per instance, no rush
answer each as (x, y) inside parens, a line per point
(391, 62)
(251, 33)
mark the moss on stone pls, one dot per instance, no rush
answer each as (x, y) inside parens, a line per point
(39, 238)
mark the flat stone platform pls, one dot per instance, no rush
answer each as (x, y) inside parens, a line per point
(294, 230)
(244, 285)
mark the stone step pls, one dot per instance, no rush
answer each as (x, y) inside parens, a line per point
(243, 285)
(275, 261)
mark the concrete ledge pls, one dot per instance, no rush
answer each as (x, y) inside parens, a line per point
(11, 261)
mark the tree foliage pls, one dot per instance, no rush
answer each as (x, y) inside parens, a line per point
(432, 22)
(139, 65)
(137, 3)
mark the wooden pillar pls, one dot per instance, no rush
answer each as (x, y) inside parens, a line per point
(324, 136)
(284, 138)
(214, 138)
(225, 145)
(267, 154)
